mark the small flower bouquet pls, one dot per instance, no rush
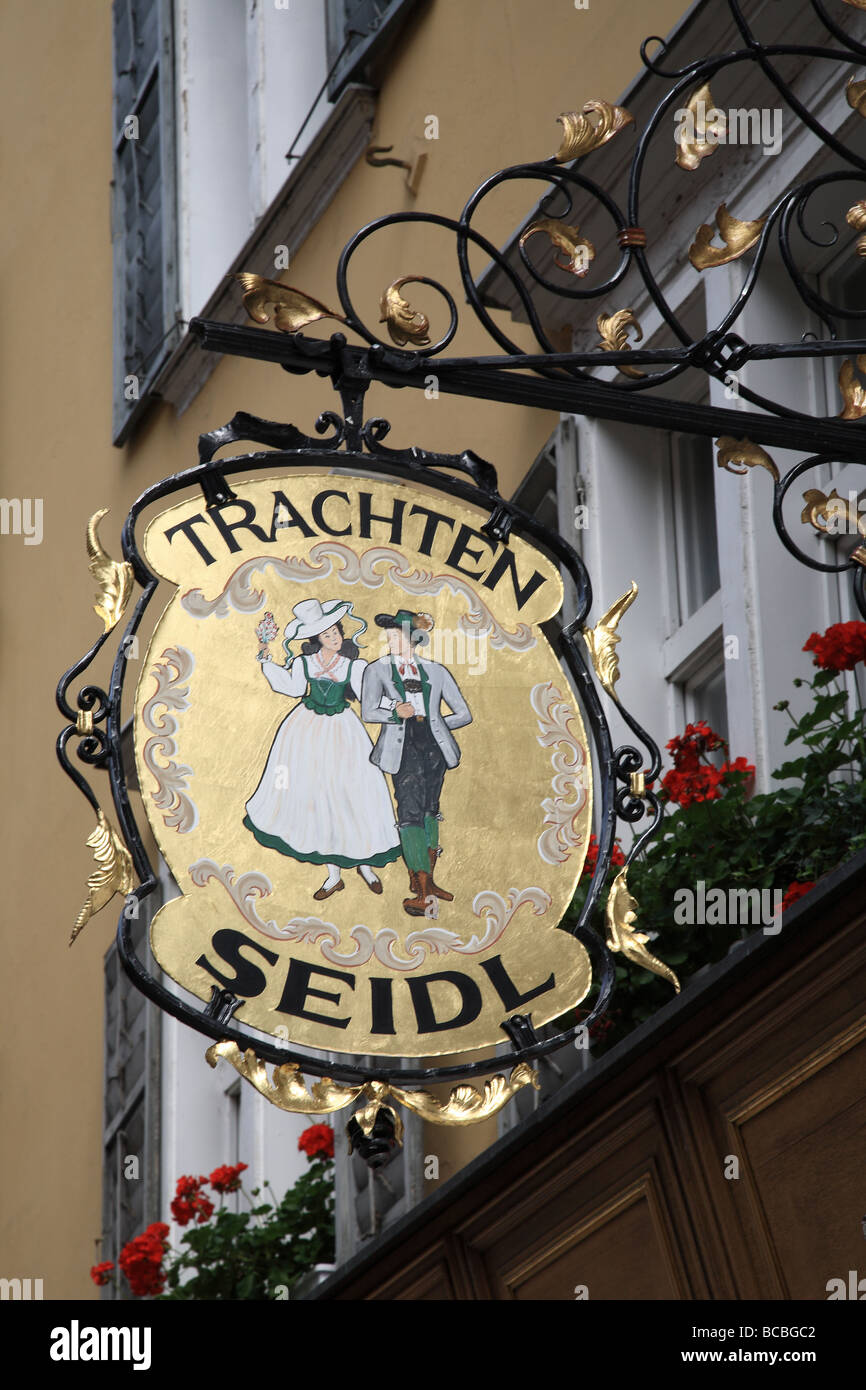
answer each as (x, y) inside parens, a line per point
(266, 632)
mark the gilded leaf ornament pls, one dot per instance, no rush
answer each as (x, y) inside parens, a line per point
(852, 389)
(466, 1105)
(742, 452)
(405, 324)
(830, 513)
(287, 1088)
(579, 251)
(739, 237)
(621, 915)
(855, 95)
(114, 577)
(603, 638)
(691, 139)
(581, 133)
(113, 872)
(291, 309)
(366, 1115)
(614, 335)
(856, 218)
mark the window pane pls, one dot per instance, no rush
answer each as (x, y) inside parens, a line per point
(707, 701)
(695, 514)
(847, 288)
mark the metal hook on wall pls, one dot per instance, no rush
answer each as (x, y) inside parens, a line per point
(413, 170)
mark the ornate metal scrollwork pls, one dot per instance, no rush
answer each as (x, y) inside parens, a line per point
(565, 380)
(586, 134)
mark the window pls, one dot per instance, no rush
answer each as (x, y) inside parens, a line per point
(130, 1174)
(358, 32)
(694, 521)
(537, 494)
(145, 327)
(704, 698)
(553, 492)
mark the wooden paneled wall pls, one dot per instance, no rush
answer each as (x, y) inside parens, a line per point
(624, 1184)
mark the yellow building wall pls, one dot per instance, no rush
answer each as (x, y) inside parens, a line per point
(496, 73)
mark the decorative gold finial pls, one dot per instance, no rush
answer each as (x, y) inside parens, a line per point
(852, 389)
(739, 237)
(855, 95)
(614, 336)
(114, 577)
(113, 873)
(621, 915)
(829, 513)
(291, 309)
(579, 249)
(603, 638)
(405, 324)
(581, 134)
(856, 218)
(287, 1090)
(742, 452)
(692, 148)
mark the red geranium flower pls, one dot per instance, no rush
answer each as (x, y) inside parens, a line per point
(616, 857)
(840, 648)
(228, 1177)
(190, 1203)
(692, 777)
(99, 1273)
(703, 782)
(317, 1141)
(141, 1260)
(796, 890)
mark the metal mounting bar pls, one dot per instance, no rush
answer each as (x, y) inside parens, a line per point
(843, 439)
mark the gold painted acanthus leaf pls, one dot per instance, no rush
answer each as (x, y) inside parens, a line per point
(690, 152)
(738, 455)
(290, 309)
(287, 1088)
(466, 1104)
(738, 237)
(621, 916)
(366, 1115)
(852, 389)
(581, 133)
(579, 250)
(114, 577)
(614, 336)
(603, 638)
(113, 872)
(855, 95)
(405, 324)
(829, 513)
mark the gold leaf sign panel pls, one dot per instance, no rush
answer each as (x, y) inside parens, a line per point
(364, 767)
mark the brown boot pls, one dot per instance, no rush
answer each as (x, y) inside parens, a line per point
(434, 888)
(417, 906)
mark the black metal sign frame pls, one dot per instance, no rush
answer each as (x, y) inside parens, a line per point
(549, 380)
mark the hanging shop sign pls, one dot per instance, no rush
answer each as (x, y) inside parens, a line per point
(369, 729)
(364, 766)
(369, 746)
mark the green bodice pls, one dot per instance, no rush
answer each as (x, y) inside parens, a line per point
(325, 696)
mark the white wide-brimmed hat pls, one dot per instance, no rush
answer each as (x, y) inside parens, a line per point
(312, 617)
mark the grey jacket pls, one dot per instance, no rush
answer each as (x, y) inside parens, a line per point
(382, 689)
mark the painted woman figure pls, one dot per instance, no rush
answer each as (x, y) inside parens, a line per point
(320, 799)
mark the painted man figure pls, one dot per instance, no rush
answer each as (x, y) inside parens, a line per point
(416, 744)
